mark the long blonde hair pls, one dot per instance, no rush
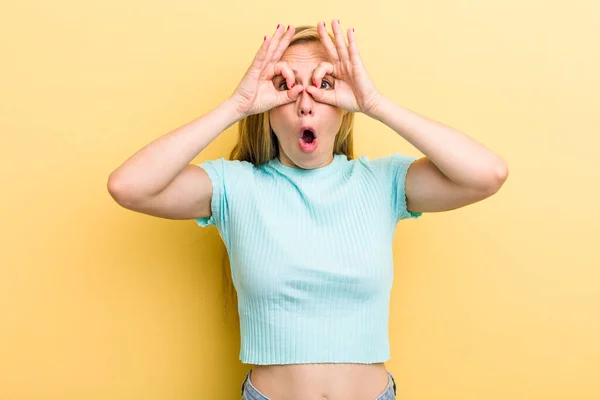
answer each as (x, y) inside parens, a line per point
(258, 144)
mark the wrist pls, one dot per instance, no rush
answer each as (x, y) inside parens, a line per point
(233, 108)
(379, 105)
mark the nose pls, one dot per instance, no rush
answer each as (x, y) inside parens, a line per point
(306, 104)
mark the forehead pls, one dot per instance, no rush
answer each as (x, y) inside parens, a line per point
(305, 55)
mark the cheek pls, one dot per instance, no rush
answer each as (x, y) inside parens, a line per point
(334, 118)
(277, 120)
(279, 117)
(276, 117)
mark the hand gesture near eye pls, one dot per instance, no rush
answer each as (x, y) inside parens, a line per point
(256, 92)
(353, 89)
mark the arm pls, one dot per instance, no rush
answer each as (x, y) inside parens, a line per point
(158, 178)
(456, 170)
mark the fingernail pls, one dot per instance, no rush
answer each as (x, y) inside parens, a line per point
(278, 25)
(265, 39)
(338, 22)
(352, 30)
(293, 84)
(288, 28)
(315, 85)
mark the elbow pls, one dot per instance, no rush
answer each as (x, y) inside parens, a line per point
(118, 190)
(498, 175)
(114, 187)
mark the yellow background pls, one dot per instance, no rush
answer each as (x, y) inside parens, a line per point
(498, 300)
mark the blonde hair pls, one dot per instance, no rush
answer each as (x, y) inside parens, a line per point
(258, 144)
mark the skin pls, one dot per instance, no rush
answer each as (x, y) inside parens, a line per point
(286, 120)
(320, 381)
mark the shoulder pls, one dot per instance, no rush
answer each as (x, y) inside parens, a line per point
(389, 164)
(228, 172)
(223, 165)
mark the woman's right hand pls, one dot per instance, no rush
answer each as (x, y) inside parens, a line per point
(256, 92)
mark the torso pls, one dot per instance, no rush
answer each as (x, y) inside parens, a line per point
(289, 289)
(334, 381)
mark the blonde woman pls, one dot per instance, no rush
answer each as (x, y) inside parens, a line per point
(308, 228)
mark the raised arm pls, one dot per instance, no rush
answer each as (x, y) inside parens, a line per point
(159, 179)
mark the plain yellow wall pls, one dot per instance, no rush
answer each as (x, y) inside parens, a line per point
(498, 300)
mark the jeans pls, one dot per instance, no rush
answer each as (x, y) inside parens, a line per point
(249, 392)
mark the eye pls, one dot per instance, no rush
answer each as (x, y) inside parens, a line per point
(323, 81)
(284, 83)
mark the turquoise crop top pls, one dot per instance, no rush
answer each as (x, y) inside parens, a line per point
(311, 255)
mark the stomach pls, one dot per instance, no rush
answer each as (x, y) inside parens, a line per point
(325, 381)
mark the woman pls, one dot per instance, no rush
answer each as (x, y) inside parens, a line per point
(308, 229)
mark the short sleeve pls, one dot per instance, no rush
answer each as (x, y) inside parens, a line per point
(391, 172)
(399, 168)
(218, 204)
(230, 179)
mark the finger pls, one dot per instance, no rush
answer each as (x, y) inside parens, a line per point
(261, 54)
(274, 42)
(288, 96)
(284, 69)
(340, 41)
(326, 42)
(322, 96)
(353, 48)
(284, 43)
(322, 69)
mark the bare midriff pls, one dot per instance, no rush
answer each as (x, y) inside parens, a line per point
(330, 381)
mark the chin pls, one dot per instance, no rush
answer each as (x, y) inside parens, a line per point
(311, 161)
(300, 159)
(305, 161)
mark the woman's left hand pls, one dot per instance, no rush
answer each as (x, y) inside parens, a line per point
(353, 89)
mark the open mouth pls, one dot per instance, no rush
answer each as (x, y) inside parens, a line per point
(308, 139)
(308, 136)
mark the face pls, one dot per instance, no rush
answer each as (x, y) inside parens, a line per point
(288, 120)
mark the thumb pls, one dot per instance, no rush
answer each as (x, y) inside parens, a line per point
(322, 96)
(287, 96)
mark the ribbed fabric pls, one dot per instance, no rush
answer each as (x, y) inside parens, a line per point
(311, 255)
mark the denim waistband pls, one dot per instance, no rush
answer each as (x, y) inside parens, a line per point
(249, 392)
